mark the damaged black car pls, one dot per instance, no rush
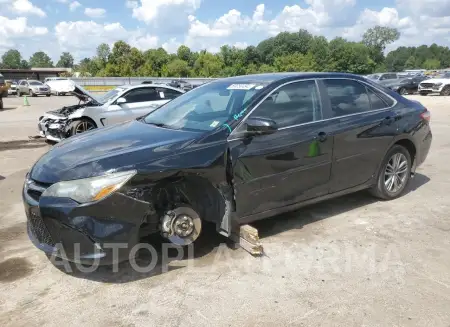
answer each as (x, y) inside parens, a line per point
(228, 153)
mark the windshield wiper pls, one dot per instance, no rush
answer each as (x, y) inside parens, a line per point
(161, 125)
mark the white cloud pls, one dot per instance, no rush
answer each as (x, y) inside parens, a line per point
(25, 7)
(94, 12)
(12, 29)
(81, 38)
(171, 45)
(74, 5)
(132, 4)
(167, 17)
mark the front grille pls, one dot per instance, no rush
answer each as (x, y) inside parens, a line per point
(35, 189)
(43, 89)
(39, 230)
(426, 85)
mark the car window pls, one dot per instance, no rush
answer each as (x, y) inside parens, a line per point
(375, 101)
(169, 94)
(35, 83)
(292, 104)
(347, 97)
(142, 95)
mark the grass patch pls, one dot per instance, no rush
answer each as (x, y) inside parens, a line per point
(99, 88)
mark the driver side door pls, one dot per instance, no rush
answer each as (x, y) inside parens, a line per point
(289, 166)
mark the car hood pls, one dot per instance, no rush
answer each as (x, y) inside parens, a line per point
(120, 147)
(436, 80)
(76, 90)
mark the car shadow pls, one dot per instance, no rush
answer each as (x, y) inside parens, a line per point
(166, 253)
(210, 240)
(323, 210)
(7, 108)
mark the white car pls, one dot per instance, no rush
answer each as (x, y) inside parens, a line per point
(118, 105)
(439, 85)
(59, 86)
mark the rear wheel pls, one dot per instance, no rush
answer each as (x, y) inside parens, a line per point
(394, 174)
(31, 93)
(81, 126)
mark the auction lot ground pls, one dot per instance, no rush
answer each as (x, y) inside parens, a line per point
(352, 261)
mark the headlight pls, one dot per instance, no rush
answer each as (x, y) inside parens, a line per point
(89, 189)
(438, 84)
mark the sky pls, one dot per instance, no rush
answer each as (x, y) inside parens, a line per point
(80, 26)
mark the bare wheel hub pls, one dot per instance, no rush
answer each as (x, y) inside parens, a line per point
(181, 226)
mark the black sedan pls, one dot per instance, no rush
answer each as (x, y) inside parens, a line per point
(407, 85)
(228, 152)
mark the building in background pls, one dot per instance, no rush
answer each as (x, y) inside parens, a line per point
(33, 73)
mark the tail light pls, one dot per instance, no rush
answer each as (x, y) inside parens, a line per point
(426, 115)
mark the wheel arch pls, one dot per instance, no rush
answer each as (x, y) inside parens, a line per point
(85, 118)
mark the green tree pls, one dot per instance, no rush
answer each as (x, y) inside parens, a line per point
(184, 53)
(208, 65)
(377, 38)
(432, 64)
(296, 62)
(320, 51)
(40, 60)
(178, 68)
(103, 52)
(12, 59)
(65, 60)
(410, 63)
(350, 57)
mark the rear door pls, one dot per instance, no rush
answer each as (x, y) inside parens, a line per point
(291, 165)
(363, 125)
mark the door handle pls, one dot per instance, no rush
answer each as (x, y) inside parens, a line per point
(322, 136)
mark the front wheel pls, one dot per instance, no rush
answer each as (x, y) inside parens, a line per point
(394, 174)
(403, 91)
(48, 95)
(446, 90)
(31, 93)
(81, 126)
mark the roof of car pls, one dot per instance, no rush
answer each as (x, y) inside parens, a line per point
(129, 86)
(272, 77)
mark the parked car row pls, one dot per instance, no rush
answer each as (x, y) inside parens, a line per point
(227, 153)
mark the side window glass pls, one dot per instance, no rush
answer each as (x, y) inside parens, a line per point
(292, 104)
(142, 95)
(375, 101)
(347, 97)
(167, 94)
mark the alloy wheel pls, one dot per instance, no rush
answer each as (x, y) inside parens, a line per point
(84, 126)
(403, 91)
(395, 173)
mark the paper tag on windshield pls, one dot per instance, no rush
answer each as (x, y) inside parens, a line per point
(214, 123)
(161, 94)
(241, 86)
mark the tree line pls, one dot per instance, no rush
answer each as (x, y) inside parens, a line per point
(299, 51)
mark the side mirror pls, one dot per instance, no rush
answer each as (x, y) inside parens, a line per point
(260, 126)
(120, 101)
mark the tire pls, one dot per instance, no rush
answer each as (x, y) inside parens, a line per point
(76, 127)
(381, 188)
(423, 94)
(446, 90)
(30, 92)
(403, 91)
(1, 103)
(48, 95)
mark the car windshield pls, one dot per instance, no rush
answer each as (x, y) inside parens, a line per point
(207, 107)
(35, 83)
(109, 95)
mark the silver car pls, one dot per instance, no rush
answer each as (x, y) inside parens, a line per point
(32, 88)
(118, 105)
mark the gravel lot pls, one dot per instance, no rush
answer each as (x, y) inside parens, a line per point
(352, 261)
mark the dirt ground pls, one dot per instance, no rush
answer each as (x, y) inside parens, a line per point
(352, 261)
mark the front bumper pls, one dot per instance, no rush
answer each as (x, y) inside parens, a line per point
(51, 129)
(105, 230)
(430, 89)
(41, 92)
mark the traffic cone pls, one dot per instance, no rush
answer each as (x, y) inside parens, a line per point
(25, 101)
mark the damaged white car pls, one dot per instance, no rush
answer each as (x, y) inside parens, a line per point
(118, 105)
